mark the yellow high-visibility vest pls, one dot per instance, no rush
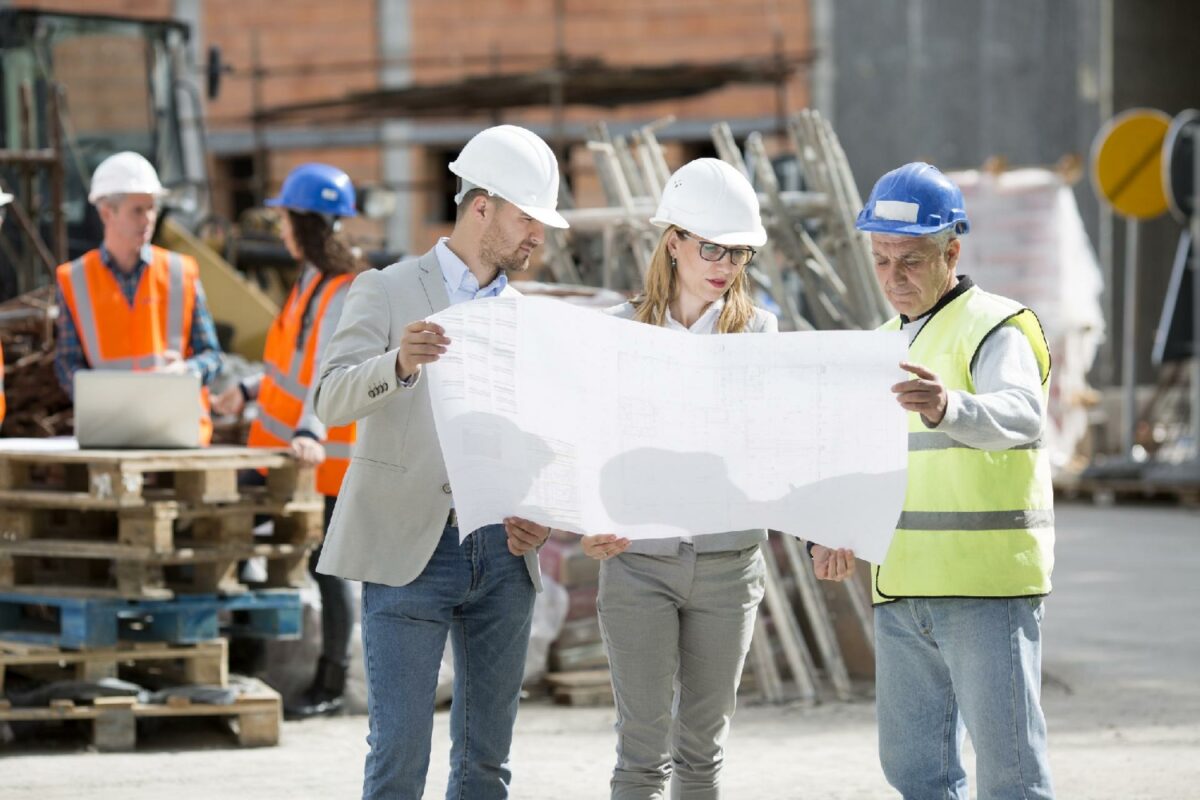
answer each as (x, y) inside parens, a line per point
(976, 523)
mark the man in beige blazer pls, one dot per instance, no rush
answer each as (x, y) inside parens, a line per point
(394, 526)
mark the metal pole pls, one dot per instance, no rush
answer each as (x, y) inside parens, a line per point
(1129, 340)
(1195, 129)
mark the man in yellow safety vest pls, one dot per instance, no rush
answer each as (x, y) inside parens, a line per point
(959, 596)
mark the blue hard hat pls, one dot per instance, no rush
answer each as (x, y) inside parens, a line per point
(914, 200)
(317, 188)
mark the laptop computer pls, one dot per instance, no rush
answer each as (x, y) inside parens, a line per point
(119, 409)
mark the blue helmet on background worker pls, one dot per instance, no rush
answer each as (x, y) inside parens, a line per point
(317, 189)
(914, 200)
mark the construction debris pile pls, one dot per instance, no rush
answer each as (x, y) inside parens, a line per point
(37, 406)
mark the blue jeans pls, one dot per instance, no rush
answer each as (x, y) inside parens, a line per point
(948, 666)
(481, 595)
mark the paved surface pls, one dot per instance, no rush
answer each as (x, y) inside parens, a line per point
(1122, 661)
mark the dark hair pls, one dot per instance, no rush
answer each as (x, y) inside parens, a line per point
(320, 245)
(470, 196)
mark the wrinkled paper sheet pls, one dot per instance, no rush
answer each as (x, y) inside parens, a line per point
(595, 424)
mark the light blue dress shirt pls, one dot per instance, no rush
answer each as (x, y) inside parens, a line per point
(461, 284)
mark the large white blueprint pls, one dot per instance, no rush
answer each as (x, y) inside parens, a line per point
(595, 424)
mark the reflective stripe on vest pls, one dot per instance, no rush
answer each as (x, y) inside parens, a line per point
(117, 335)
(289, 372)
(976, 523)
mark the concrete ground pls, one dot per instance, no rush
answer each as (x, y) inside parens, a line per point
(1122, 695)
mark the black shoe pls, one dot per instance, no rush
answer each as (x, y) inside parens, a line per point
(324, 697)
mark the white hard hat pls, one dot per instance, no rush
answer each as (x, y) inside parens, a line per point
(515, 164)
(124, 173)
(5, 199)
(712, 200)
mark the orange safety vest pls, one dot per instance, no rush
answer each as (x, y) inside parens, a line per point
(115, 335)
(290, 373)
(3, 402)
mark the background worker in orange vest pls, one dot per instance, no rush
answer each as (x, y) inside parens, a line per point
(128, 304)
(314, 197)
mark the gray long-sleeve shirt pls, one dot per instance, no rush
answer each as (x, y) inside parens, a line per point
(1006, 409)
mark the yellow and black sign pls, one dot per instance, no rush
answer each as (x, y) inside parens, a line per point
(1127, 163)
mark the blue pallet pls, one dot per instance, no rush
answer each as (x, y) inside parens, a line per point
(83, 622)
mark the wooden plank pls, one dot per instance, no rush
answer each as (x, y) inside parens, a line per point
(791, 640)
(818, 617)
(207, 486)
(585, 677)
(256, 715)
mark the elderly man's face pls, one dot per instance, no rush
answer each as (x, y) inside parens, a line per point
(913, 271)
(129, 223)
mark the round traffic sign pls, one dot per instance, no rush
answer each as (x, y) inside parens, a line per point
(1179, 166)
(1127, 162)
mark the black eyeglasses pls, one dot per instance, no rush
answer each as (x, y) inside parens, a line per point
(711, 251)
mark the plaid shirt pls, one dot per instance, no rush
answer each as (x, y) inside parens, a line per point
(69, 355)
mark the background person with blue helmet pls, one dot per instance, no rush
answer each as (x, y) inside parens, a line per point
(959, 596)
(313, 198)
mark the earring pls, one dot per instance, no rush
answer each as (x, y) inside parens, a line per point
(674, 263)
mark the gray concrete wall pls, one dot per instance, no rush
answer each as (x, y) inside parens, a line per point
(1030, 80)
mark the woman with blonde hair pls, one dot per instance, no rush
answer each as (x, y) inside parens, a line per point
(676, 615)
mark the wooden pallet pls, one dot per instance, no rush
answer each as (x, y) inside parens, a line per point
(151, 524)
(81, 622)
(592, 687)
(114, 479)
(255, 716)
(152, 664)
(93, 569)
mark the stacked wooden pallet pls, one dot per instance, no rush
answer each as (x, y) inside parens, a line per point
(125, 565)
(150, 524)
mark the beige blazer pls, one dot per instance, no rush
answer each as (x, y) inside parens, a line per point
(396, 496)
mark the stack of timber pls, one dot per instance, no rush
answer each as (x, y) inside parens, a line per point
(579, 673)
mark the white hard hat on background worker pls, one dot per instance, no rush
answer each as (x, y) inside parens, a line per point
(515, 164)
(5, 199)
(712, 200)
(124, 173)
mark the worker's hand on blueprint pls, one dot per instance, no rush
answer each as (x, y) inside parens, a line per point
(524, 535)
(926, 395)
(421, 343)
(230, 402)
(173, 363)
(832, 565)
(604, 545)
(308, 451)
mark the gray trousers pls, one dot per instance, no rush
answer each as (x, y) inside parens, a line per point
(677, 629)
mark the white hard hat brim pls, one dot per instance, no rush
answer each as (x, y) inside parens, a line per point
(96, 197)
(755, 238)
(546, 216)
